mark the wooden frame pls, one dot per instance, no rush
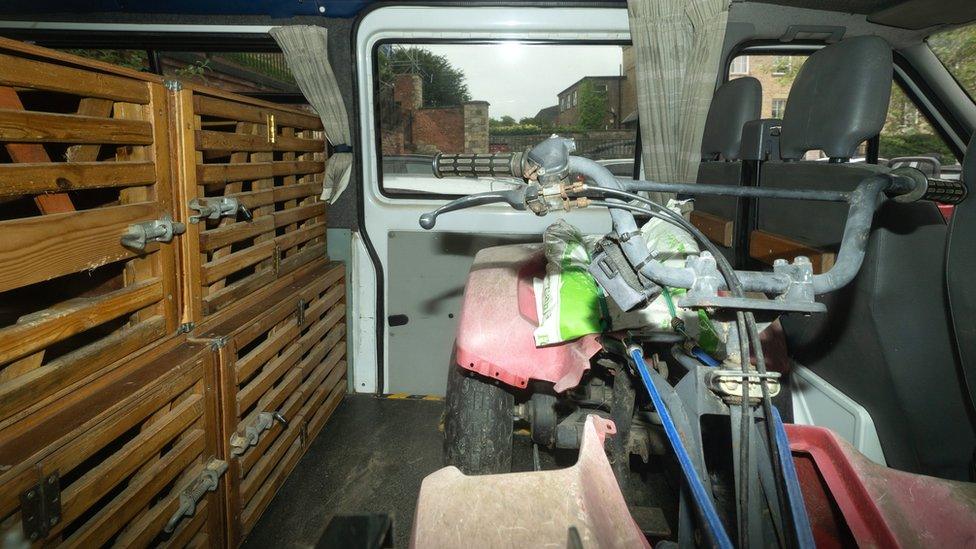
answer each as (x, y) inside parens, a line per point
(123, 447)
(717, 230)
(85, 155)
(272, 160)
(768, 247)
(287, 358)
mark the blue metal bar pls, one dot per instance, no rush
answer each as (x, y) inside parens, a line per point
(801, 522)
(713, 525)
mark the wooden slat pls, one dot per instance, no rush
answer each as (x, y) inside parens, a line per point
(52, 325)
(228, 234)
(58, 374)
(295, 215)
(89, 106)
(29, 152)
(220, 173)
(307, 254)
(40, 248)
(298, 191)
(228, 295)
(768, 247)
(207, 140)
(294, 238)
(254, 199)
(26, 73)
(717, 230)
(235, 110)
(74, 60)
(36, 178)
(253, 509)
(220, 268)
(42, 127)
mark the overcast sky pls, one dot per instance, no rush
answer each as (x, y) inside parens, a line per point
(520, 79)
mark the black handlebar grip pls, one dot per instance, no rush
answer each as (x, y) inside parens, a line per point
(478, 165)
(945, 191)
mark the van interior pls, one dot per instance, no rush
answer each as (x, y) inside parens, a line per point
(344, 273)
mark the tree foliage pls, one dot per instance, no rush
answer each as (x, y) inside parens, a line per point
(444, 84)
(592, 107)
(957, 50)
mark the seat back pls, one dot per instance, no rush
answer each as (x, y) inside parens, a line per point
(884, 341)
(960, 266)
(734, 103)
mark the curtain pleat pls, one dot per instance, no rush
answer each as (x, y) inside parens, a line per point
(678, 45)
(306, 52)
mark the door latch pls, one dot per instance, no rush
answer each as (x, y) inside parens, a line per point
(192, 494)
(252, 433)
(217, 207)
(158, 230)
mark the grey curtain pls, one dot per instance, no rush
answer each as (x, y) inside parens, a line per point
(678, 45)
(306, 52)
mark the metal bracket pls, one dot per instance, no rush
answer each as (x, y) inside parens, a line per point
(191, 495)
(173, 85)
(218, 343)
(728, 383)
(40, 507)
(217, 207)
(300, 312)
(272, 130)
(185, 328)
(157, 230)
(239, 443)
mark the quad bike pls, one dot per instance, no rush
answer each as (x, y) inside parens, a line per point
(665, 397)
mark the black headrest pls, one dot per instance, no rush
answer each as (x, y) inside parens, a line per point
(734, 103)
(839, 99)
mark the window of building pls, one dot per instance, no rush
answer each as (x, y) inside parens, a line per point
(740, 65)
(777, 108)
(955, 48)
(458, 98)
(782, 65)
(602, 88)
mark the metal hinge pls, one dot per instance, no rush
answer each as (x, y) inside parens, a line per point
(191, 495)
(218, 343)
(300, 312)
(173, 85)
(217, 207)
(239, 443)
(157, 230)
(185, 328)
(40, 507)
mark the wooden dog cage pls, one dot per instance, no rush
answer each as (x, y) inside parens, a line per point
(145, 327)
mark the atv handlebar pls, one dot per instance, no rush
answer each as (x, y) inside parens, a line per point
(550, 163)
(479, 165)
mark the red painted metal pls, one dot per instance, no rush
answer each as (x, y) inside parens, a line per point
(851, 498)
(498, 318)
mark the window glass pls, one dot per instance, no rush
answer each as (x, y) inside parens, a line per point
(239, 72)
(957, 51)
(907, 137)
(500, 97)
(778, 107)
(132, 59)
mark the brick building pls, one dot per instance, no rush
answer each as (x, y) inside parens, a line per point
(454, 129)
(569, 100)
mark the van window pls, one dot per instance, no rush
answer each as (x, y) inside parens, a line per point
(908, 137)
(498, 97)
(239, 72)
(130, 59)
(955, 49)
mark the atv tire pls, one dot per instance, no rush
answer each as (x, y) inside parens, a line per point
(478, 424)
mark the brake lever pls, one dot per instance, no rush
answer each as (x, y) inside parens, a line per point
(514, 198)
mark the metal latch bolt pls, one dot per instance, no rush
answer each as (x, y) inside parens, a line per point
(728, 383)
(40, 507)
(217, 207)
(191, 495)
(157, 230)
(252, 433)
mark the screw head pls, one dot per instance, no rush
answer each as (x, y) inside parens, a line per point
(30, 494)
(33, 536)
(53, 520)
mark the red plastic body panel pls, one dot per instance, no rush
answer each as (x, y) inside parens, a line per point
(530, 509)
(851, 499)
(498, 318)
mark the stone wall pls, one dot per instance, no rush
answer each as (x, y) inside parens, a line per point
(438, 130)
(475, 127)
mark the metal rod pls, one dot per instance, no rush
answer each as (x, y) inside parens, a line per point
(815, 195)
